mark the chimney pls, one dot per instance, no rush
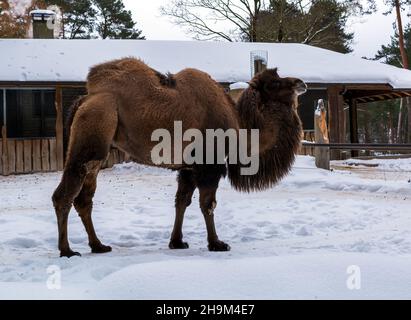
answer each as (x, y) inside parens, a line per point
(43, 24)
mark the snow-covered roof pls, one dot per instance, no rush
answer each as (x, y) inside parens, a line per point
(69, 60)
(238, 85)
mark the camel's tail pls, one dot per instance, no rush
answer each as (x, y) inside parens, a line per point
(72, 112)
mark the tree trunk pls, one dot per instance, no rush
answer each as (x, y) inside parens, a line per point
(401, 36)
(367, 131)
(390, 131)
(405, 64)
(408, 104)
(400, 116)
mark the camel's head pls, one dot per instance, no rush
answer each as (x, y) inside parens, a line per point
(274, 88)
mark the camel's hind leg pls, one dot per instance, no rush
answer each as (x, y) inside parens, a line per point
(92, 132)
(63, 197)
(207, 179)
(84, 206)
(186, 187)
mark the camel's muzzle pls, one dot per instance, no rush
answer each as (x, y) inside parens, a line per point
(300, 87)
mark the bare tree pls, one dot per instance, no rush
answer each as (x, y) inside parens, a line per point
(209, 19)
(250, 20)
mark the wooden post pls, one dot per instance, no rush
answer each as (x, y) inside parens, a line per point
(353, 124)
(336, 118)
(322, 155)
(4, 156)
(59, 129)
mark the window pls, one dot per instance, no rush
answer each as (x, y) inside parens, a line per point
(31, 113)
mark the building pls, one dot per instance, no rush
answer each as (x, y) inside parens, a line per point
(40, 78)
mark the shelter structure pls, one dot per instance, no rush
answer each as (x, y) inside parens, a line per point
(40, 78)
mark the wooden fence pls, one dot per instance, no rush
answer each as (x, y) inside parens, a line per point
(28, 155)
(309, 136)
(18, 156)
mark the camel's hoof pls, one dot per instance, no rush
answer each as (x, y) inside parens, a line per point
(69, 253)
(178, 245)
(218, 246)
(101, 248)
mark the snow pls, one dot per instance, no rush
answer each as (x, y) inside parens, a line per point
(397, 165)
(293, 241)
(70, 60)
(239, 86)
(43, 12)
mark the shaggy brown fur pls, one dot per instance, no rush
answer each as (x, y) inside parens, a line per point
(270, 105)
(127, 101)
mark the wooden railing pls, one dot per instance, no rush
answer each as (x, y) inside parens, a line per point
(19, 156)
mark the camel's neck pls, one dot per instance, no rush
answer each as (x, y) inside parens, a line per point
(267, 118)
(279, 140)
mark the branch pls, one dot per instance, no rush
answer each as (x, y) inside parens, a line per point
(309, 38)
(238, 13)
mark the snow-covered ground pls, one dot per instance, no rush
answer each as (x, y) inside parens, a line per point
(317, 234)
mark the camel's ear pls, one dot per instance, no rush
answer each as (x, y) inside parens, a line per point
(266, 81)
(254, 83)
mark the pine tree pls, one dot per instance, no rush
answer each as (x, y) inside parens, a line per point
(322, 25)
(114, 21)
(97, 19)
(391, 54)
(79, 18)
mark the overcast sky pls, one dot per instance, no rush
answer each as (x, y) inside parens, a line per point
(370, 32)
